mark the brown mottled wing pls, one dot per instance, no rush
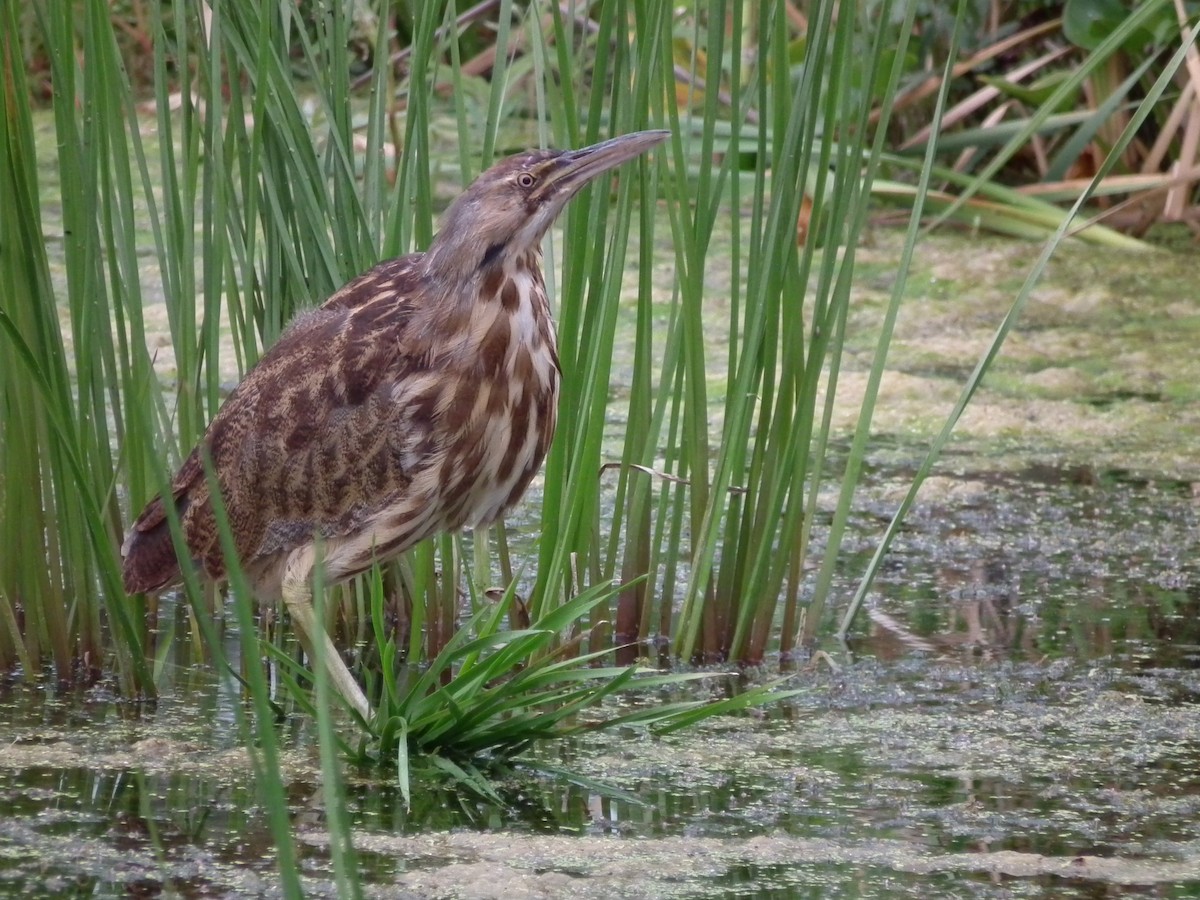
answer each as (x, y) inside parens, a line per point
(307, 443)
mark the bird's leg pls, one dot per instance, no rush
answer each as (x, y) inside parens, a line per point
(297, 595)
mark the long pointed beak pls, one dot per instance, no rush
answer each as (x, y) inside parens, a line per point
(575, 168)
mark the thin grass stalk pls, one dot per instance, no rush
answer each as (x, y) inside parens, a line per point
(843, 222)
(12, 644)
(466, 163)
(764, 483)
(764, 530)
(21, 515)
(357, 244)
(264, 749)
(143, 423)
(674, 370)
(174, 205)
(242, 232)
(643, 427)
(413, 222)
(672, 506)
(255, 307)
(297, 216)
(719, 606)
(559, 92)
(341, 845)
(605, 277)
(376, 196)
(499, 82)
(281, 192)
(835, 195)
(266, 308)
(216, 202)
(632, 503)
(738, 515)
(556, 93)
(172, 225)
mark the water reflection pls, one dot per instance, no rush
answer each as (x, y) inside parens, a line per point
(1045, 563)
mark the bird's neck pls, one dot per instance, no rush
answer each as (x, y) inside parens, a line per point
(497, 306)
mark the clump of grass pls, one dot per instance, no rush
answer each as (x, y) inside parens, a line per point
(493, 691)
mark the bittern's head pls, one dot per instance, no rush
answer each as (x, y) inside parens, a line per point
(509, 208)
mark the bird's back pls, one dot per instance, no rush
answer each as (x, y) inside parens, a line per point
(396, 410)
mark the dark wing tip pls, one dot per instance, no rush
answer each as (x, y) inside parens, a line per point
(148, 562)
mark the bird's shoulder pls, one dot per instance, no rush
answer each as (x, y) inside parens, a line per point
(328, 359)
(379, 302)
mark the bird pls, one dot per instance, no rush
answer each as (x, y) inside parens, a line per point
(418, 399)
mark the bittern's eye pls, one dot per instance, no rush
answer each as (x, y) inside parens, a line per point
(525, 180)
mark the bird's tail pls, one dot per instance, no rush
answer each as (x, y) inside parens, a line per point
(148, 561)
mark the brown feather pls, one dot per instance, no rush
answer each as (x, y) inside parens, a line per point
(279, 441)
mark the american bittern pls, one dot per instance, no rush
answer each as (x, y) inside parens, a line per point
(418, 399)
